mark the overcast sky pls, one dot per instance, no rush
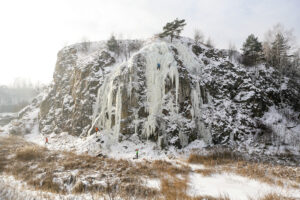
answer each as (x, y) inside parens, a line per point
(32, 31)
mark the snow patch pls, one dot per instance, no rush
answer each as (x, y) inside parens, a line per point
(236, 187)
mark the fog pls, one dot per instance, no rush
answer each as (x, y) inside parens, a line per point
(16, 96)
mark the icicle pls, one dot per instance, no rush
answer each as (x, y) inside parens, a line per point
(177, 88)
(155, 95)
(118, 113)
(184, 140)
(196, 101)
(129, 91)
(135, 123)
(155, 81)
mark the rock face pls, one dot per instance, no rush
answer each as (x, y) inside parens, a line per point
(197, 93)
(69, 104)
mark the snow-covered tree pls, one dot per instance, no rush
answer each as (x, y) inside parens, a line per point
(252, 51)
(274, 38)
(173, 29)
(279, 52)
(134, 46)
(113, 45)
(296, 61)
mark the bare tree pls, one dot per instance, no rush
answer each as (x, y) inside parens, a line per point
(272, 38)
(231, 50)
(209, 43)
(85, 42)
(198, 36)
(133, 46)
(296, 61)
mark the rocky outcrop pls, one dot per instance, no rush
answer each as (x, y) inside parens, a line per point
(69, 104)
(198, 93)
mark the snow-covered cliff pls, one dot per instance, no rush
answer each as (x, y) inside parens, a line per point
(198, 93)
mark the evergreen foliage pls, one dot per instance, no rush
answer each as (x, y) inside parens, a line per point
(252, 51)
(173, 29)
(112, 45)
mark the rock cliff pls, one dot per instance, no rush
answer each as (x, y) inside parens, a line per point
(197, 93)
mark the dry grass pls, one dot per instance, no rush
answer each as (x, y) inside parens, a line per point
(79, 187)
(265, 172)
(174, 188)
(138, 191)
(47, 184)
(206, 172)
(168, 168)
(274, 196)
(173, 178)
(39, 167)
(174, 181)
(28, 153)
(29, 161)
(217, 157)
(226, 161)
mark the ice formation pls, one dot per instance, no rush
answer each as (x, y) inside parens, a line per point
(108, 108)
(159, 53)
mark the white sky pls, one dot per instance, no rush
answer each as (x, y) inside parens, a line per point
(32, 31)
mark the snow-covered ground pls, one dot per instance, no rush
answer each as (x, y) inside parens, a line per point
(101, 143)
(234, 186)
(286, 130)
(10, 188)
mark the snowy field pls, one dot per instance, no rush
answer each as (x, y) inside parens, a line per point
(231, 185)
(234, 186)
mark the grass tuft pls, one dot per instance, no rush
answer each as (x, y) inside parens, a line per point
(28, 153)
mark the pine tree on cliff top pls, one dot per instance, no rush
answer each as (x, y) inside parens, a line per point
(173, 29)
(112, 45)
(252, 51)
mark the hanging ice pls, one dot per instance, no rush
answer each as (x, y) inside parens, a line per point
(123, 80)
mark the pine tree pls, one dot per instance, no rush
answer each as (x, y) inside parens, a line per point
(112, 45)
(173, 29)
(252, 51)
